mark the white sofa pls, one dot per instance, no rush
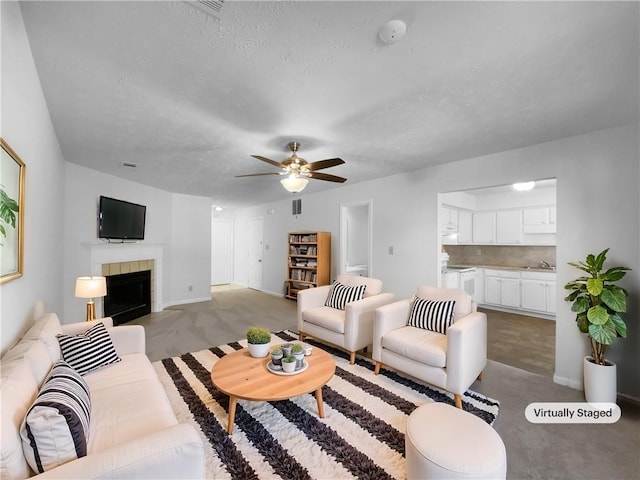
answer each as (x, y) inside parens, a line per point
(133, 432)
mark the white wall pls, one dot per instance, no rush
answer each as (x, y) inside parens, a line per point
(598, 206)
(190, 272)
(26, 127)
(179, 224)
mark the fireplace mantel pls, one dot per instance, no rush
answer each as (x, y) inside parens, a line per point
(129, 252)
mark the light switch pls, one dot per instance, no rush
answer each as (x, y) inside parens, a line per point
(391, 250)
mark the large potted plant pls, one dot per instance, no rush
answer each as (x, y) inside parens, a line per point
(258, 341)
(598, 302)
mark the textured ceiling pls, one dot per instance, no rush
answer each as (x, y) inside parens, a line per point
(189, 97)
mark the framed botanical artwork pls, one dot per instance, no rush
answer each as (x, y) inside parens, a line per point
(12, 173)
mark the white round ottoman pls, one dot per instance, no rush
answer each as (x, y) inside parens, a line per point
(445, 442)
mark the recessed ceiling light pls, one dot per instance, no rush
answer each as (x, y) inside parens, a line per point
(523, 186)
(217, 209)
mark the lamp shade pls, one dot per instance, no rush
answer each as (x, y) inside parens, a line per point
(91, 287)
(294, 184)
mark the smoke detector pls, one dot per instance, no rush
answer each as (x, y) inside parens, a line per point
(392, 31)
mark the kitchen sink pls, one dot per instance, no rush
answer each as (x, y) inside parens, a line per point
(527, 267)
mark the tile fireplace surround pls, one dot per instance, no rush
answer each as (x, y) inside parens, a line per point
(113, 258)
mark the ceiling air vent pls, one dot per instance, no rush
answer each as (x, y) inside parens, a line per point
(129, 165)
(210, 7)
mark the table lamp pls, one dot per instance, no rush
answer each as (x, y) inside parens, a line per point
(91, 287)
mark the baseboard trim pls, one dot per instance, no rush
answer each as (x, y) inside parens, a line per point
(188, 300)
(576, 384)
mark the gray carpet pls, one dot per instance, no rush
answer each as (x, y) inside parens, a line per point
(533, 451)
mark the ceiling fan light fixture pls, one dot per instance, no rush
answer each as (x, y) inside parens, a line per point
(294, 183)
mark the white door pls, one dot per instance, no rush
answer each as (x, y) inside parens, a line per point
(221, 251)
(255, 253)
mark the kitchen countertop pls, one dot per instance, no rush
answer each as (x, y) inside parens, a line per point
(503, 267)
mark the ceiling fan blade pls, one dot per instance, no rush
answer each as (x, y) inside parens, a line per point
(257, 174)
(327, 177)
(320, 164)
(269, 161)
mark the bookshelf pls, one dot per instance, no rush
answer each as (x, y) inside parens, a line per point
(309, 261)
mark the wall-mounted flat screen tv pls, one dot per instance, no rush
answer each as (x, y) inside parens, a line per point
(120, 220)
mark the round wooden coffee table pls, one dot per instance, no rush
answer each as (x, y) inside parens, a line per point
(241, 376)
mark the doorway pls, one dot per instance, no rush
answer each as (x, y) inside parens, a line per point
(356, 238)
(255, 253)
(221, 251)
(507, 235)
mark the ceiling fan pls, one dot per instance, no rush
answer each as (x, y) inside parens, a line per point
(298, 170)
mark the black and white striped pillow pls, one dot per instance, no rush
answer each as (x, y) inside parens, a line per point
(90, 350)
(340, 295)
(56, 427)
(431, 315)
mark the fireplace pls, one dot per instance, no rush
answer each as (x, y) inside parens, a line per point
(128, 296)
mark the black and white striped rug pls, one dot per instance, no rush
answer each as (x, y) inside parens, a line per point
(361, 436)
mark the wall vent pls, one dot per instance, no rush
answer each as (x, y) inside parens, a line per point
(210, 7)
(296, 206)
(129, 165)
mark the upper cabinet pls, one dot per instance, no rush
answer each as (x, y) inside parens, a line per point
(465, 226)
(484, 227)
(449, 223)
(509, 227)
(539, 220)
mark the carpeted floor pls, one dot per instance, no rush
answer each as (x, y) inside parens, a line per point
(286, 439)
(533, 451)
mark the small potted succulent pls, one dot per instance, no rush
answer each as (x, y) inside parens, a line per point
(276, 356)
(258, 340)
(286, 348)
(289, 364)
(298, 352)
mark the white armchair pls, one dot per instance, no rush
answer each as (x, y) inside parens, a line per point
(351, 328)
(451, 361)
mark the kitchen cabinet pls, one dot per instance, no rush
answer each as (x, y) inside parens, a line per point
(502, 287)
(465, 227)
(484, 227)
(449, 220)
(538, 291)
(539, 220)
(509, 226)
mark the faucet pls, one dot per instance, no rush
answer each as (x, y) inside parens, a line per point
(543, 264)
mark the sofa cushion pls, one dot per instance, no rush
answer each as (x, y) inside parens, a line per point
(464, 303)
(115, 416)
(423, 346)
(325, 317)
(17, 392)
(340, 295)
(45, 329)
(374, 285)
(431, 315)
(56, 427)
(90, 350)
(34, 353)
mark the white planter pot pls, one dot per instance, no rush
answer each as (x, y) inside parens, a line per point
(289, 366)
(259, 350)
(600, 384)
